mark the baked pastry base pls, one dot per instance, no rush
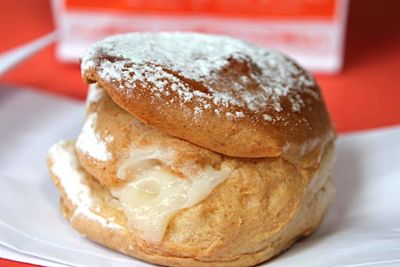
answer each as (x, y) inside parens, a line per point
(100, 220)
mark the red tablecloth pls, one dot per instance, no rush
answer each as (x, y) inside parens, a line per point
(364, 95)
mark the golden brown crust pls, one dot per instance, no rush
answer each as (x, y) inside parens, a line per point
(258, 212)
(270, 106)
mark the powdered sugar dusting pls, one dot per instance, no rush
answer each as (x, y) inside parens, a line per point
(267, 117)
(66, 167)
(90, 142)
(164, 62)
(239, 114)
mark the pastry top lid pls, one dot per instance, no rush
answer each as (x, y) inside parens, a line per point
(217, 92)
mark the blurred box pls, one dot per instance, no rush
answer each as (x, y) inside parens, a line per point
(311, 31)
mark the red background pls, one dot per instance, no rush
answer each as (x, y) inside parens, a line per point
(281, 9)
(366, 94)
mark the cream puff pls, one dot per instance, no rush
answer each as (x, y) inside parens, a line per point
(197, 150)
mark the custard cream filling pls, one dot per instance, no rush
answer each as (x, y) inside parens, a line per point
(155, 194)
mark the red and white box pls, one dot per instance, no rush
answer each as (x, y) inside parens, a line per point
(311, 31)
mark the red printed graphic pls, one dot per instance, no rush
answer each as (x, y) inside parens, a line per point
(299, 9)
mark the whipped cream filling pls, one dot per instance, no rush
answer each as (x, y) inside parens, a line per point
(155, 194)
(72, 178)
(89, 140)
